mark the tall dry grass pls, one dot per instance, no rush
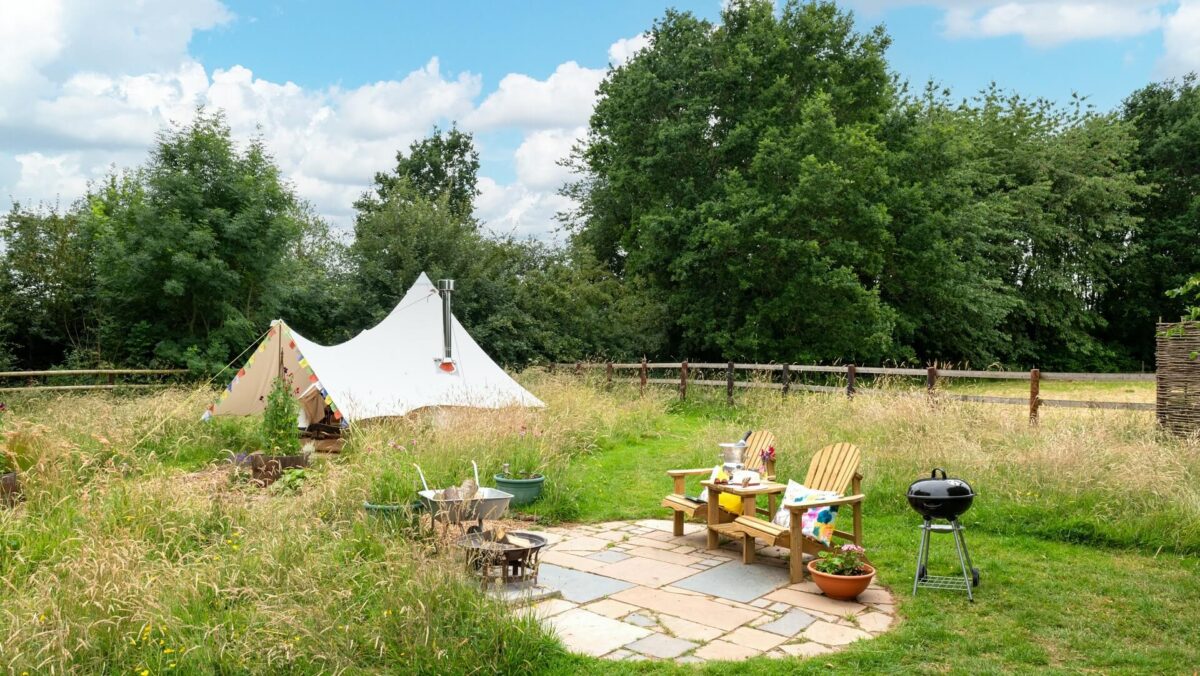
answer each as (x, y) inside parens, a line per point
(151, 557)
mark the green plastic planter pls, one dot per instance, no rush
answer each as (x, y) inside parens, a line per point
(524, 491)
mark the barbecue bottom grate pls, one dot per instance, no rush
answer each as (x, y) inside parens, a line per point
(951, 582)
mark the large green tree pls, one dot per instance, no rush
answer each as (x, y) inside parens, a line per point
(736, 168)
(47, 287)
(1166, 249)
(192, 247)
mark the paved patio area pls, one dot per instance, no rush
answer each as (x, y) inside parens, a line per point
(634, 591)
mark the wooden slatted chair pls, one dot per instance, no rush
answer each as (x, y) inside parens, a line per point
(833, 468)
(685, 507)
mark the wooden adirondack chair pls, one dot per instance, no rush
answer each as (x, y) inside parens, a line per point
(833, 468)
(685, 507)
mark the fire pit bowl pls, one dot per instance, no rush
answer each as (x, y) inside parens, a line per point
(497, 557)
(944, 498)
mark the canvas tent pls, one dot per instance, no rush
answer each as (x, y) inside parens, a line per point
(388, 370)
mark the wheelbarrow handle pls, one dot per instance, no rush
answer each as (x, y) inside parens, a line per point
(422, 474)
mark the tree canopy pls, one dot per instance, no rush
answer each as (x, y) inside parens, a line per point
(762, 187)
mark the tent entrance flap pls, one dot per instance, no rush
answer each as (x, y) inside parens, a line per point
(277, 356)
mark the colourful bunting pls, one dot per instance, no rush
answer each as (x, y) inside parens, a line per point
(292, 345)
(328, 399)
(337, 415)
(206, 417)
(242, 373)
(312, 378)
(303, 363)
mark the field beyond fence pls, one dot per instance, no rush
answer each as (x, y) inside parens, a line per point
(780, 377)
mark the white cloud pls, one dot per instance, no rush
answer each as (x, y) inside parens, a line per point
(624, 49)
(58, 177)
(565, 99)
(539, 154)
(84, 87)
(515, 209)
(1042, 23)
(1181, 40)
(1051, 23)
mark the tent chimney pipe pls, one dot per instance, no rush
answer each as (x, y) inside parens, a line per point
(446, 288)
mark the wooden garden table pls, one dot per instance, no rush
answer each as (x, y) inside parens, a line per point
(749, 496)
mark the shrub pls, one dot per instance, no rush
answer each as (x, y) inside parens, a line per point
(280, 434)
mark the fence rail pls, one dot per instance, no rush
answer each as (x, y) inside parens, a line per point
(31, 377)
(851, 373)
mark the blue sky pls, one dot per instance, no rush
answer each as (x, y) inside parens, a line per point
(336, 88)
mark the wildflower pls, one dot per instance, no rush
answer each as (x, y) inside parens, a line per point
(234, 547)
(171, 665)
(168, 651)
(387, 613)
(145, 672)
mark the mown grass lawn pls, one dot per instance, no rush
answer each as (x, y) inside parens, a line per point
(136, 551)
(1043, 605)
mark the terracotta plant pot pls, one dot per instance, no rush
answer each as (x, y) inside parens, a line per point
(841, 587)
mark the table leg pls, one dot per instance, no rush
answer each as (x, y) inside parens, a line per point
(714, 517)
(749, 508)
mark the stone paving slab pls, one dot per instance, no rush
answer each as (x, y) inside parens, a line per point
(733, 581)
(633, 591)
(790, 623)
(593, 634)
(661, 646)
(645, 572)
(577, 586)
(609, 556)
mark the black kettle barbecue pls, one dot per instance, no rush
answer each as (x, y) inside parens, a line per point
(943, 498)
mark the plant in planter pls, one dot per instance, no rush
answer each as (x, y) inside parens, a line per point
(391, 499)
(280, 436)
(524, 484)
(842, 574)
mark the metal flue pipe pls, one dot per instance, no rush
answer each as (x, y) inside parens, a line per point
(446, 288)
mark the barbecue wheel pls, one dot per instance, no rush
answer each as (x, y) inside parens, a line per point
(974, 577)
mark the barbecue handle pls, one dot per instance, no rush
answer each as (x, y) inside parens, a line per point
(933, 474)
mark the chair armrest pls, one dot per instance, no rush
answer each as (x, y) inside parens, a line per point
(826, 503)
(688, 472)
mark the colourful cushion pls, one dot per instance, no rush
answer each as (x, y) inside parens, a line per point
(816, 522)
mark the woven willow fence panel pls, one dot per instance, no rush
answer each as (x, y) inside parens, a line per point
(1178, 377)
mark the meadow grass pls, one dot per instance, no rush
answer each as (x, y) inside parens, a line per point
(153, 558)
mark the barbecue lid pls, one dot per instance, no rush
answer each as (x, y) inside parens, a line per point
(943, 488)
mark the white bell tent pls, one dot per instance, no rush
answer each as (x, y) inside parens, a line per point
(412, 359)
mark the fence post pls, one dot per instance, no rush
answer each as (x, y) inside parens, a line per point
(578, 368)
(683, 375)
(642, 390)
(608, 370)
(112, 380)
(931, 378)
(1035, 377)
(851, 375)
(786, 376)
(729, 384)
(551, 368)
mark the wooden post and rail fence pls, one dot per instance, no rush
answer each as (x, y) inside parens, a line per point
(851, 373)
(109, 378)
